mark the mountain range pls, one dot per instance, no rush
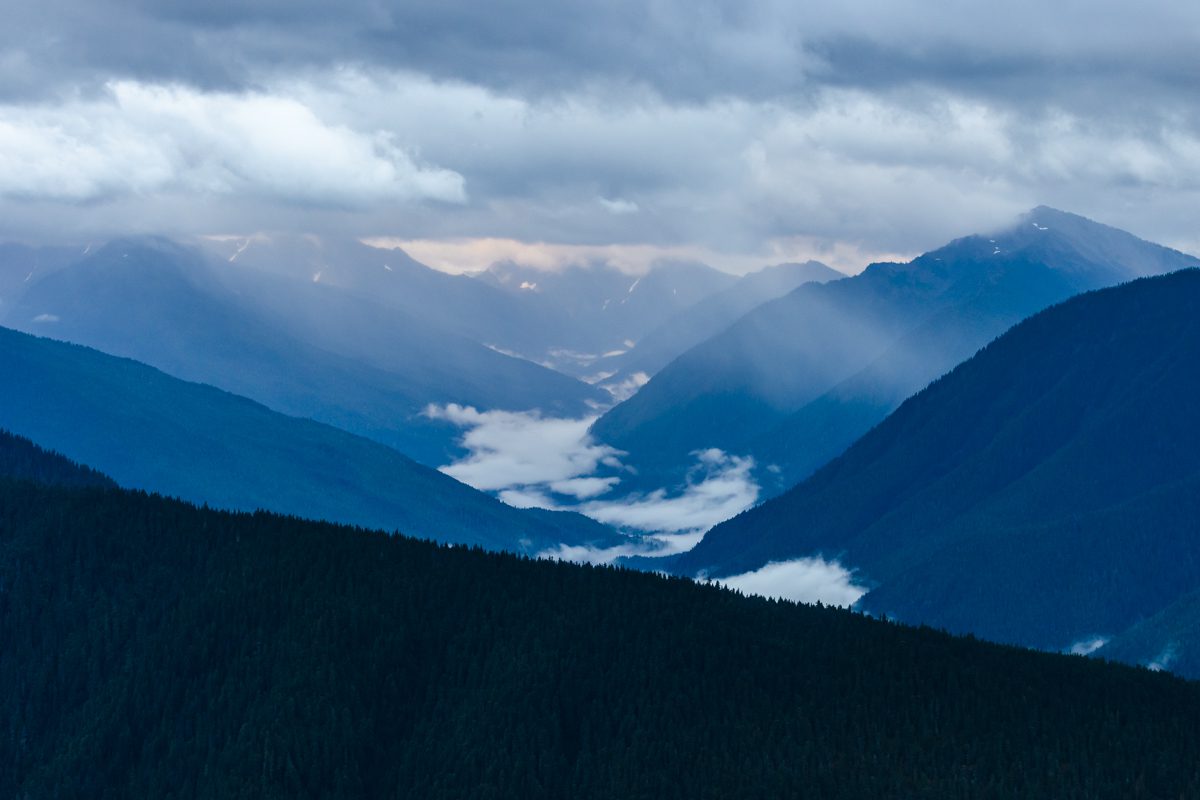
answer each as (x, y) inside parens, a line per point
(711, 315)
(150, 431)
(1039, 494)
(299, 347)
(607, 310)
(798, 379)
(1044, 493)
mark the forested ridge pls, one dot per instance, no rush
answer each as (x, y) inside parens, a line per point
(21, 459)
(154, 649)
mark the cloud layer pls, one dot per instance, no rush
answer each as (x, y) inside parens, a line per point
(804, 580)
(743, 131)
(139, 140)
(535, 461)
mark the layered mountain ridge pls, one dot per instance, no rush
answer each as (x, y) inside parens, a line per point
(1042, 493)
(148, 430)
(798, 379)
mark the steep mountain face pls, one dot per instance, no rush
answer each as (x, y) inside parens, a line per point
(154, 649)
(22, 460)
(1044, 493)
(298, 347)
(714, 313)
(607, 311)
(147, 430)
(798, 379)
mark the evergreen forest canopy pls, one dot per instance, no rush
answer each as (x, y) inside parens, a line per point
(154, 649)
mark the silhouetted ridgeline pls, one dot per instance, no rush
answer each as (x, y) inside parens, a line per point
(22, 460)
(153, 649)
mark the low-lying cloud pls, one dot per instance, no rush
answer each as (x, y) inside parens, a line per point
(719, 487)
(803, 580)
(1087, 646)
(1164, 659)
(511, 449)
(533, 461)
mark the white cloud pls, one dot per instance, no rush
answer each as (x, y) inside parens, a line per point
(584, 488)
(655, 545)
(804, 580)
(626, 388)
(512, 449)
(1087, 646)
(533, 461)
(140, 139)
(720, 487)
(842, 174)
(618, 206)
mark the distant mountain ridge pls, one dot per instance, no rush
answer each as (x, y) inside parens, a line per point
(391, 279)
(712, 314)
(567, 318)
(296, 346)
(606, 311)
(798, 379)
(1045, 492)
(148, 430)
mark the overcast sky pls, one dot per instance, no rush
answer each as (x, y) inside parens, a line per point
(742, 132)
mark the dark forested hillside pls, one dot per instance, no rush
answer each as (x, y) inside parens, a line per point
(147, 430)
(22, 460)
(151, 649)
(1044, 492)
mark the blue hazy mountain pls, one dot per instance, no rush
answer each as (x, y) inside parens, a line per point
(712, 314)
(301, 348)
(148, 430)
(798, 379)
(567, 318)
(21, 266)
(605, 310)
(1044, 492)
(392, 279)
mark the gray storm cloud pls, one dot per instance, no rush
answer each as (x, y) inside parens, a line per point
(763, 129)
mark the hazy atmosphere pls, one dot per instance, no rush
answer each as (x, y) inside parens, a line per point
(599, 399)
